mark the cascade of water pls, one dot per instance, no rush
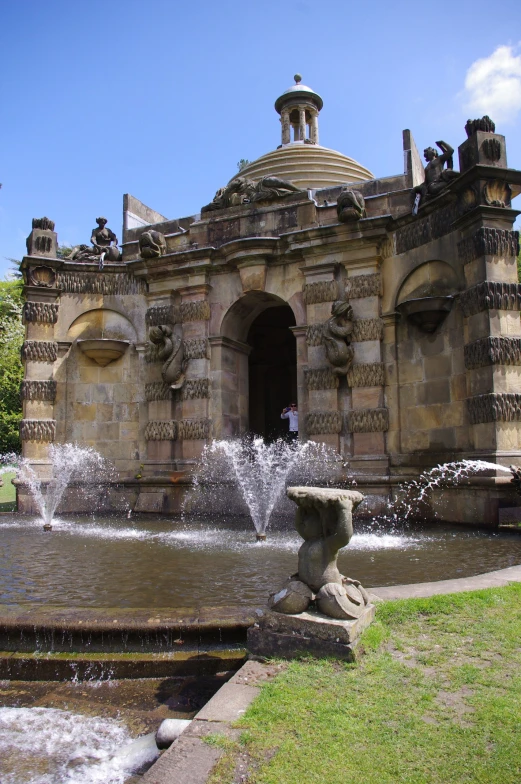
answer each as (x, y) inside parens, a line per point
(261, 472)
(70, 463)
(415, 493)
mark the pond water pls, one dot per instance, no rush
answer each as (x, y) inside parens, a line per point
(151, 562)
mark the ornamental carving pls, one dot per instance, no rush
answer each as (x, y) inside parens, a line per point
(196, 348)
(493, 351)
(38, 390)
(40, 312)
(241, 190)
(43, 223)
(198, 310)
(491, 295)
(103, 247)
(152, 245)
(106, 283)
(367, 420)
(491, 149)
(40, 350)
(367, 329)
(157, 390)
(482, 124)
(494, 407)
(320, 378)
(38, 429)
(497, 193)
(170, 352)
(161, 430)
(336, 337)
(314, 333)
(434, 226)
(350, 206)
(44, 277)
(195, 388)
(321, 291)
(488, 242)
(323, 422)
(370, 374)
(192, 429)
(160, 314)
(363, 286)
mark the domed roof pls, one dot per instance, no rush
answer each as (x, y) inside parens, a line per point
(307, 166)
(298, 92)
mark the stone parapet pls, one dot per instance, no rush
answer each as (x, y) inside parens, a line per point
(38, 390)
(37, 429)
(368, 420)
(488, 242)
(490, 295)
(40, 312)
(493, 351)
(495, 407)
(40, 350)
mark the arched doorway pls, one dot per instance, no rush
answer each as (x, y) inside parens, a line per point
(272, 371)
(254, 367)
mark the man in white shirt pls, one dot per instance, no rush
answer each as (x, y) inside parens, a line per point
(291, 413)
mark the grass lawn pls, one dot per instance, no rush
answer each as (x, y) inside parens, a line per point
(7, 493)
(436, 699)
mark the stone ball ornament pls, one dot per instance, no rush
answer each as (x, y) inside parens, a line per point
(324, 519)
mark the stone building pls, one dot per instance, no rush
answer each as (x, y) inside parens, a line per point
(389, 307)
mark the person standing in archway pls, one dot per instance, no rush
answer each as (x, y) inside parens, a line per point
(291, 413)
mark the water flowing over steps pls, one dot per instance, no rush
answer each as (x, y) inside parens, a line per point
(92, 644)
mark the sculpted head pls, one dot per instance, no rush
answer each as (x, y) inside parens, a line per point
(102, 222)
(430, 153)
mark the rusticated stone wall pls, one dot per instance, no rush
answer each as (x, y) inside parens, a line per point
(37, 429)
(38, 390)
(320, 291)
(488, 242)
(40, 350)
(109, 284)
(495, 407)
(40, 312)
(369, 420)
(493, 351)
(323, 422)
(491, 295)
(161, 430)
(320, 378)
(363, 286)
(369, 374)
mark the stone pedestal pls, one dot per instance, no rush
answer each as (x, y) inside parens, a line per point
(309, 633)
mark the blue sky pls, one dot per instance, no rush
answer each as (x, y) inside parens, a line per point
(161, 99)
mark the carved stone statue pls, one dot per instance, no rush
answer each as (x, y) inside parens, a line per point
(241, 190)
(171, 352)
(104, 246)
(350, 206)
(324, 520)
(336, 337)
(436, 177)
(152, 245)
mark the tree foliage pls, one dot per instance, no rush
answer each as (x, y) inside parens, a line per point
(11, 370)
(243, 163)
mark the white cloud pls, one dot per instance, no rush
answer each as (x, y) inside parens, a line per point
(493, 85)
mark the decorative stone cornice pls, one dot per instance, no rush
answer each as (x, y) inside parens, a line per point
(367, 420)
(363, 286)
(106, 283)
(366, 374)
(320, 378)
(40, 350)
(40, 312)
(492, 351)
(494, 407)
(490, 295)
(38, 429)
(38, 390)
(192, 429)
(367, 329)
(323, 422)
(320, 291)
(161, 430)
(488, 242)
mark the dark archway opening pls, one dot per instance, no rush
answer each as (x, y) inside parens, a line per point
(272, 371)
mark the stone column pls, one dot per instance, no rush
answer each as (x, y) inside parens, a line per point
(286, 132)
(302, 123)
(229, 387)
(389, 356)
(314, 127)
(302, 362)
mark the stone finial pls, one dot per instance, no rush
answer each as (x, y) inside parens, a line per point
(482, 124)
(43, 240)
